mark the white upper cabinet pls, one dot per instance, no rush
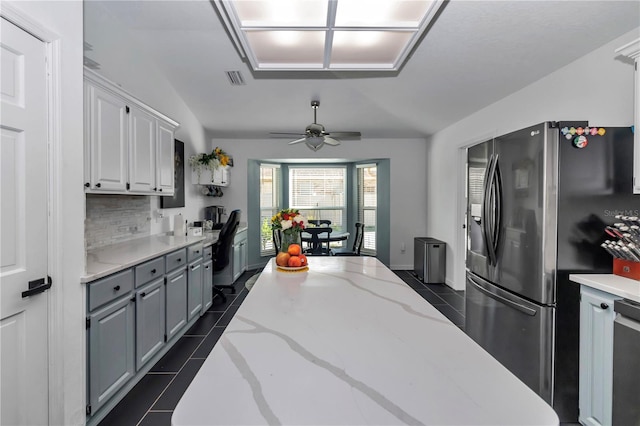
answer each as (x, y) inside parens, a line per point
(165, 164)
(142, 150)
(108, 132)
(204, 176)
(129, 145)
(632, 50)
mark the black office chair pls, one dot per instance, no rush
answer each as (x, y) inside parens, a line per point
(222, 249)
(318, 245)
(277, 240)
(357, 243)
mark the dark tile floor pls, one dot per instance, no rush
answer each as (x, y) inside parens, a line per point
(152, 400)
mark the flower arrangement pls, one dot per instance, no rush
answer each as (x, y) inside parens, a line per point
(211, 161)
(289, 221)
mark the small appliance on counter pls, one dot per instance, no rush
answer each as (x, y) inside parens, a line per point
(214, 214)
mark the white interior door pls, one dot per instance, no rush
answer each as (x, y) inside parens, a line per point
(24, 327)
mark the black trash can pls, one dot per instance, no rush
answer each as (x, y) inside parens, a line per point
(429, 261)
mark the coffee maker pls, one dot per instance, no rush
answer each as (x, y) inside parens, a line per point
(214, 214)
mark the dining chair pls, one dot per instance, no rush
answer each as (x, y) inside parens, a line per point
(357, 243)
(318, 244)
(277, 240)
(320, 222)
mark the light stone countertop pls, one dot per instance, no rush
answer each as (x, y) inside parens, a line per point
(610, 283)
(110, 259)
(349, 343)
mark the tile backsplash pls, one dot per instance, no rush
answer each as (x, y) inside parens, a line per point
(115, 218)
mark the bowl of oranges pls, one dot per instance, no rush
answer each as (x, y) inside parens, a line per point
(292, 260)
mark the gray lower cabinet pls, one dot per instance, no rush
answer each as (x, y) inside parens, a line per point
(135, 316)
(207, 285)
(194, 286)
(596, 356)
(111, 349)
(176, 312)
(150, 318)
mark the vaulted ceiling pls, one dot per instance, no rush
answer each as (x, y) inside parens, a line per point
(475, 53)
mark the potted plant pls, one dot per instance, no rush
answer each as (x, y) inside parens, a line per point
(210, 162)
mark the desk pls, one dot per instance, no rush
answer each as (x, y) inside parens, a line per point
(350, 343)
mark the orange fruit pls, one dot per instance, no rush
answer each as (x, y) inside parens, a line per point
(282, 259)
(294, 261)
(294, 249)
(303, 260)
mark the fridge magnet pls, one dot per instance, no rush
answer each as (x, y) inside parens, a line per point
(580, 142)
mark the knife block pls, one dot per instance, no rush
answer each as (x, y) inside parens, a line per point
(626, 268)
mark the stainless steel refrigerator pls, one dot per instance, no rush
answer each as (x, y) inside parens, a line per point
(538, 204)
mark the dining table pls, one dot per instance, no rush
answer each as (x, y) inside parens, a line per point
(346, 342)
(315, 242)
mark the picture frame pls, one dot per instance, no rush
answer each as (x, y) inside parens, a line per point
(177, 200)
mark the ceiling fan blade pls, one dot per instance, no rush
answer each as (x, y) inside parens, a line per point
(284, 134)
(331, 141)
(297, 141)
(346, 135)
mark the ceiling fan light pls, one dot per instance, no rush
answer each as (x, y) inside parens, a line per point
(315, 142)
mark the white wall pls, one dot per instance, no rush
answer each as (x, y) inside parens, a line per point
(598, 88)
(132, 69)
(408, 174)
(63, 19)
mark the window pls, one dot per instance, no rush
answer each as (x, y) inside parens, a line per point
(319, 193)
(367, 205)
(270, 204)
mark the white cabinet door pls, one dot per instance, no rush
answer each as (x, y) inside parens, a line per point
(142, 148)
(596, 357)
(108, 140)
(165, 166)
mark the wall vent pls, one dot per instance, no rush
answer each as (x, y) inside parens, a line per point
(235, 78)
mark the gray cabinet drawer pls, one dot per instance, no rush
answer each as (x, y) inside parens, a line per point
(194, 252)
(208, 253)
(175, 260)
(149, 271)
(110, 288)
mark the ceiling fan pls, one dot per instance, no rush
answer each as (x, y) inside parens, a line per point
(315, 136)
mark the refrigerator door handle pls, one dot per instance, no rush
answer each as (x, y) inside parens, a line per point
(490, 223)
(524, 309)
(497, 183)
(486, 234)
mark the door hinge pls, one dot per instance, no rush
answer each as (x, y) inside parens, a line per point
(38, 286)
(88, 408)
(88, 323)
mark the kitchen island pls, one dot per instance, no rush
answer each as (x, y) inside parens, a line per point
(348, 342)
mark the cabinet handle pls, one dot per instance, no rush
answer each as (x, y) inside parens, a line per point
(133, 299)
(154, 189)
(207, 267)
(143, 294)
(197, 251)
(86, 185)
(604, 305)
(179, 259)
(153, 271)
(116, 288)
(98, 185)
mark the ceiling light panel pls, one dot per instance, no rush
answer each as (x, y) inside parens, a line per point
(327, 34)
(381, 13)
(282, 13)
(277, 49)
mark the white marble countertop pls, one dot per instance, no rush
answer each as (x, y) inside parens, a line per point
(110, 259)
(349, 343)
(613, 284)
